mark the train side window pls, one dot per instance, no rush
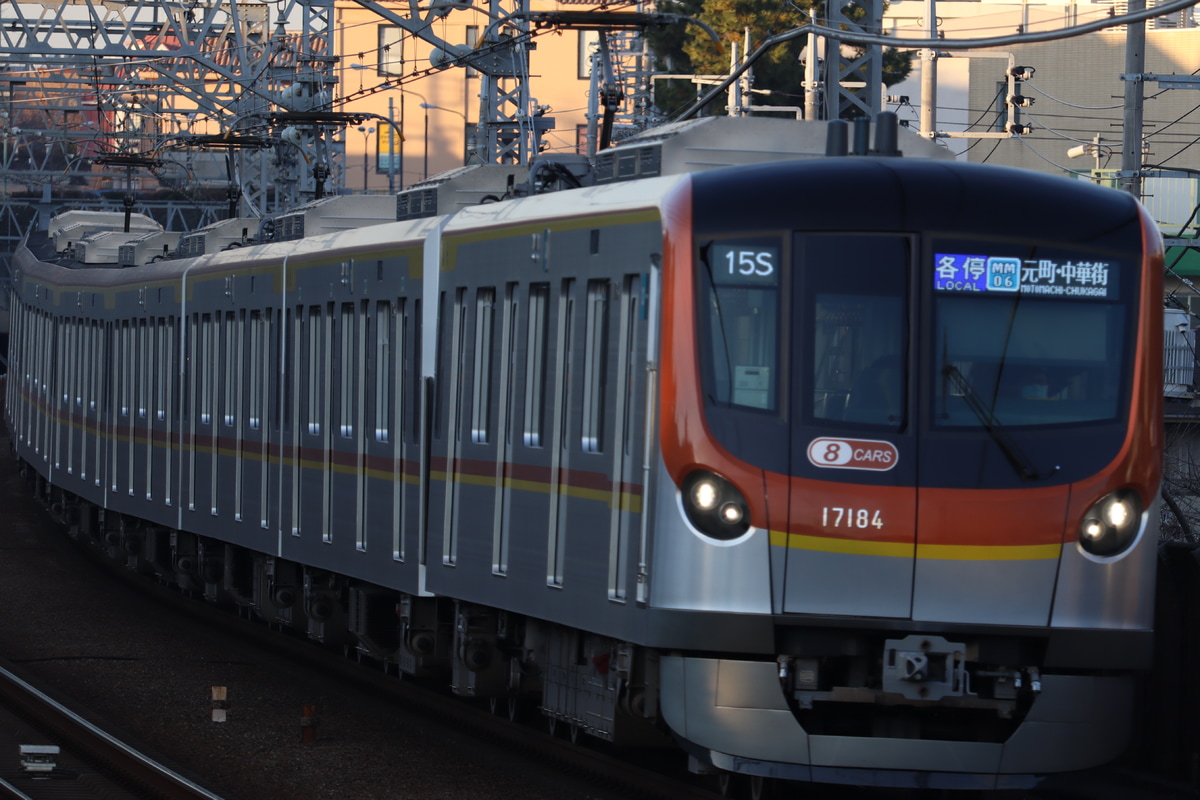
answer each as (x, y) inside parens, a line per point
(275, 371)
(78, 364)
(164, 372)
(171, 402)
(383, 366)
(456, 379)
(535, 364)
(106, 385)
(129, 356)
(399, 366)
(629, 315)
(440, 369)
(97, 337)
(72, 342)
(510, 353)
(212, 366)
(595, 366)
(291, 347)
(233, 350)
(66, 368)
(207, 357)
(145, 367)
(241, 363)
(413, 366)
(566, 357)
(346, 372)
(83, 367)
(315, 357)
(257, 367)
(125, 338)
(481, 401)
(65, 348)
(190, 337)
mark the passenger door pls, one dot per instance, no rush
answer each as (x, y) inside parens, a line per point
(851, 526)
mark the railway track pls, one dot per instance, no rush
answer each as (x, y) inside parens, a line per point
(571, 770)
(521, 732)
(590, 769)
(33, 544)
(111, 768)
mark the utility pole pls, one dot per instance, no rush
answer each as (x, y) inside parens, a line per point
(811, 82)
(929, 74)
(1131, 135)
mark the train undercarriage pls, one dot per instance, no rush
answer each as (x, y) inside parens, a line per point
(839, 688)
(581, 682)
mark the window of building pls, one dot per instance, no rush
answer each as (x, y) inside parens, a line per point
(391, 50)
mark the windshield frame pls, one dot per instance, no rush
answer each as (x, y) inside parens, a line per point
(1047, 368)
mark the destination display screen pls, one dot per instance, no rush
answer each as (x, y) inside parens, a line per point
(1057, 276)
(745, 263)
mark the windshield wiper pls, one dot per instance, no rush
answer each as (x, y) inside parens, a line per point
(720, 321)
(1025, 468)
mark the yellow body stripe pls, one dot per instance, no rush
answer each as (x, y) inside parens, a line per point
(937, 552)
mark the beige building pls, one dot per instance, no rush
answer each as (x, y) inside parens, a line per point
(1077, 87)
(387, 72)
(1077, 90)
(1080, 96)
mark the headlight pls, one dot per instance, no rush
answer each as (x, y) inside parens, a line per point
(1110, 525)
(715, 506)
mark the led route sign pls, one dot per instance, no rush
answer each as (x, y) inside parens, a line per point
(1056, 277)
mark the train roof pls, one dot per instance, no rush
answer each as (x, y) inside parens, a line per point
(637, 174)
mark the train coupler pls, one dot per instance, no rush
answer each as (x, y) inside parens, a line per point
(924, 667)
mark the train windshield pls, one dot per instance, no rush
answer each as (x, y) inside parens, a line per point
(814, 330)
(851, 299)
(1026, 339)
(740, 290)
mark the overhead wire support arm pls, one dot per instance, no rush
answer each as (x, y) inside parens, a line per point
(421, 28)
(1167, 81)
(613, 20)
(509, 128)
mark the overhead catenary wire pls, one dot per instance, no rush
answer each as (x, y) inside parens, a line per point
(1181, 150)
(915, 44)
(1072, 105)
(1049, 161)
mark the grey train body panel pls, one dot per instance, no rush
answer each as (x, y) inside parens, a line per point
(451, 425)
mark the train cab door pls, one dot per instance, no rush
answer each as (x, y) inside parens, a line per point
(852, 499)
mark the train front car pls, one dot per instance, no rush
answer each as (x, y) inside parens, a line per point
(926, 394)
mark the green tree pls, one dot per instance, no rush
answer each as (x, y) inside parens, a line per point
(687, 49)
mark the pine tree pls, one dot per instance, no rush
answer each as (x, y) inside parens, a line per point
(687, 49)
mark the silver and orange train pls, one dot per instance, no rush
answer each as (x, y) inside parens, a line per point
(832, 469)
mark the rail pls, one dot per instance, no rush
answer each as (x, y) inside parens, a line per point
(153, 779)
